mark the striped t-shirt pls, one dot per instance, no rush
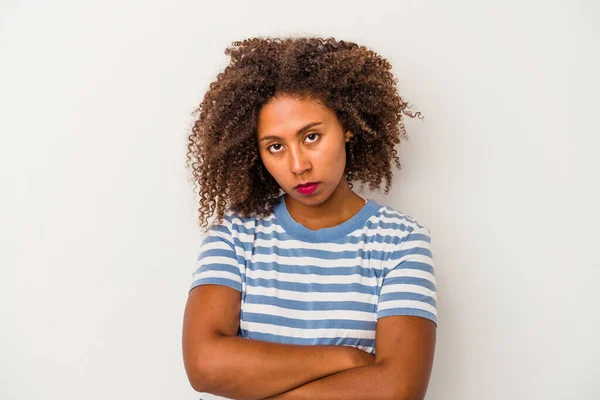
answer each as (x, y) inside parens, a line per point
(321, 287)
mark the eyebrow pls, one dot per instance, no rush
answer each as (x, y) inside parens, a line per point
(300, 131)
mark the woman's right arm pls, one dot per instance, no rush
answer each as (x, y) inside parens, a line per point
(217, 361)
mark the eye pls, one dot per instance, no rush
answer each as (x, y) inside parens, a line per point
(313, 137)
(272, 148)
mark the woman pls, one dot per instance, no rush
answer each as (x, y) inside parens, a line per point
(303, 289)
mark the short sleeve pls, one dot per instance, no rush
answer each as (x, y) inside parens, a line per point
(217, 262)
(409, 287)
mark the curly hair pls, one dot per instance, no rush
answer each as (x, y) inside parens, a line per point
(353, 81)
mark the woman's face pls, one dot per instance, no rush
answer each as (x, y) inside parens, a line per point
(302, 142)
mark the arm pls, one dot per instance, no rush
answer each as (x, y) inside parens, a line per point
(219, 362)
(404, 336)
(405, 350)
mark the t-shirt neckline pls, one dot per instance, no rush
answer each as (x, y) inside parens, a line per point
(291, 226)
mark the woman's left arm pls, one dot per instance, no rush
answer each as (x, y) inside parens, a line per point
(405, 347)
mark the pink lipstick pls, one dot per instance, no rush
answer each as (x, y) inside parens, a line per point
(307, 189)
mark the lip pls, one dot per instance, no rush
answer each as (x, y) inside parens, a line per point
(306, 184)
(307, 188)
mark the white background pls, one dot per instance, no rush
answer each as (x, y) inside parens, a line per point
(98, 220)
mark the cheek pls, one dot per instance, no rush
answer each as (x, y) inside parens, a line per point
(272, 167)
(334, 156)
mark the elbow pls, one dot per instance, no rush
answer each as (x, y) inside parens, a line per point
(409, 397)
(199, 384)
(404, 393)
(201, 364)
(198, 378)
(202, 374)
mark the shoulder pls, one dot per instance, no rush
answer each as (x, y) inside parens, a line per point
(395, 224)
(234, 224)
(407, 240)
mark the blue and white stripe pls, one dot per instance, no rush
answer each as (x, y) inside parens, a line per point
(321, 287)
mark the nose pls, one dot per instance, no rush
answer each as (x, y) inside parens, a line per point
(299, 162)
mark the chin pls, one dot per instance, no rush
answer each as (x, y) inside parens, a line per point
(317, 199)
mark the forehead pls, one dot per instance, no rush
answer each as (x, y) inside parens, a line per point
(285, 115)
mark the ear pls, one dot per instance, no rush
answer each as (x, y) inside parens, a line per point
(348, 136)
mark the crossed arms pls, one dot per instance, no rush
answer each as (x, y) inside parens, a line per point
(218, 361)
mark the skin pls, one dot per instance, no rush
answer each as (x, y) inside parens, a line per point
(262, 370)
(405, 350)
(359, 86)
(293, 156)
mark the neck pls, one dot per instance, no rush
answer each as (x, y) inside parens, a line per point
(342, 205)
